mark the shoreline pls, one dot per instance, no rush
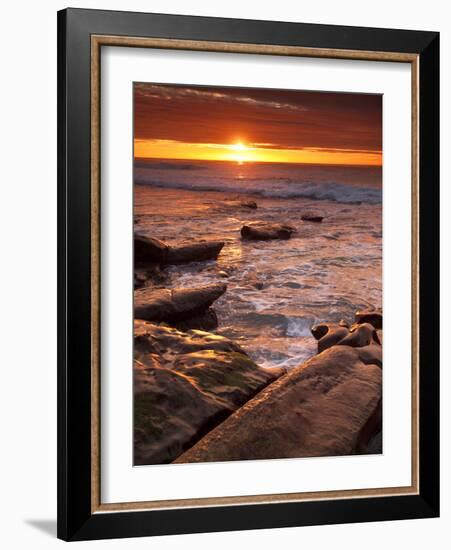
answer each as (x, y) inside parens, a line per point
(276, 289)
(219, 405)
(203, 390)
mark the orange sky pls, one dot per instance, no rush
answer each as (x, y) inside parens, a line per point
(257, 125)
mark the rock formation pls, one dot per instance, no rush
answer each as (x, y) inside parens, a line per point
(149, 250)
(312, 218)
(185, 384)
(175, 305)
(328, 406)
(260, 231)
(369, 316)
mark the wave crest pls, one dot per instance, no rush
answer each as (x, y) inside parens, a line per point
(327, 191)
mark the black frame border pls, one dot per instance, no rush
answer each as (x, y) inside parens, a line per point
(75, 519)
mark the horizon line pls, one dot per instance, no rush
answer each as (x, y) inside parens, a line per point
(244, 162)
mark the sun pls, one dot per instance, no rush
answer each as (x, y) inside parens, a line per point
(240, 153)
(239, 146)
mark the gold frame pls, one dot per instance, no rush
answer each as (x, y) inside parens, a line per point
(97, 41)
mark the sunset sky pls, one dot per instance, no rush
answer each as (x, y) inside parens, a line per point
(257, 125)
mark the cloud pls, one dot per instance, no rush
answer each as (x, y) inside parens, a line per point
(267, 118)
(169, 93)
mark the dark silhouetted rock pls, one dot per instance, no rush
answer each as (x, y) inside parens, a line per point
(185, 384)
(369, 316)
(149, 250)
(195, 252)
(243, 204)
(321, 329)
(249, 204)
(328, 406)
(312, 218)
(260, 231)
(172, 305)
(207, 320)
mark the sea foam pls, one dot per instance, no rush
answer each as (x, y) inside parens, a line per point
(329, 191)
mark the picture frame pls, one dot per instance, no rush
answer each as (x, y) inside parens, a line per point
(81, 36)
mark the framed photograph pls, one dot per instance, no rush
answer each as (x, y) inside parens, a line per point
(248, 274)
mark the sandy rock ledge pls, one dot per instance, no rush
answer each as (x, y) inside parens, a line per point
(328, 406)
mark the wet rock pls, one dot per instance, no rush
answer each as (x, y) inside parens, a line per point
(249, 204)
(244, 204)
(147, 249)
(151, 274)
(292, 284)
(207, 320)
(260, 231)
(328, 334)
(326, 407)
(150, 250)
(173, 305)
(168, 342)
(312, 218)
(371, 354)
(333, 337)
(185, 384)
(373, 317)
(331, 334)
(320, 330)
(194, 252)
(360, 335)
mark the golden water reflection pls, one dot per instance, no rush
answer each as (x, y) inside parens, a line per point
(231, 255)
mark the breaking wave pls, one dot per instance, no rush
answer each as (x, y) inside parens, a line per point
(328, 191)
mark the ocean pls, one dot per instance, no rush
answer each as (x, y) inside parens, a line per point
(276, 290)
